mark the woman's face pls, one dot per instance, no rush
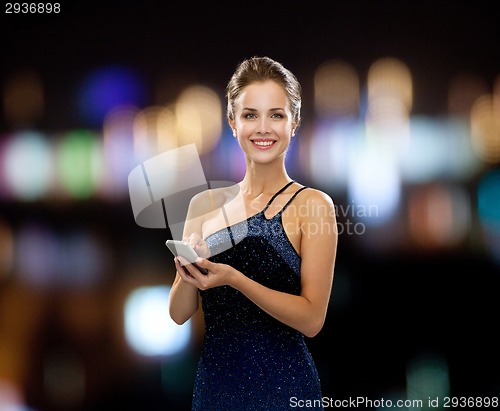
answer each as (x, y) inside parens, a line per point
(263, 121)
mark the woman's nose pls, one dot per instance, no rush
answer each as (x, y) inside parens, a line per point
(263, 126)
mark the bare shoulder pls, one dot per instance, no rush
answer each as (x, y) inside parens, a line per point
(318, 202)
(317, 220)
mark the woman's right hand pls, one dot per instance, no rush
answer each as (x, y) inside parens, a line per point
(199, 245)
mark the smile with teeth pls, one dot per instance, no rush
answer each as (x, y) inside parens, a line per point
(263, 143)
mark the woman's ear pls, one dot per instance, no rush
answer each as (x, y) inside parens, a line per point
(295, 127)
(232, 125)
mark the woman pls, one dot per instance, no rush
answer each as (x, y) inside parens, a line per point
(269, 246)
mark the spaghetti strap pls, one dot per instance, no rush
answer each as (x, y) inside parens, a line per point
(291, 199)
(276, 194)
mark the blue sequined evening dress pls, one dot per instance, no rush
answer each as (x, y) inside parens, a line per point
(249, 360)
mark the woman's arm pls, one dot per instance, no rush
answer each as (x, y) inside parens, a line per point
(183, 302)
(305, 312)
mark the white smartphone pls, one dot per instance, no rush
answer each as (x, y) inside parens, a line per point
(183, 249)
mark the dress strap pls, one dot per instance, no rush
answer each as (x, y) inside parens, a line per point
(291, 199)
(276, 194)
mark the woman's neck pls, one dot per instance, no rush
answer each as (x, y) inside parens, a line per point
(264, 178)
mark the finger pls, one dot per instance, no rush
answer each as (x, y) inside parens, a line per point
(183, 263)
(206, 264)
(183, 272)
(194, 240)
(179, 268)
(199, 248)
(189, 240)
(199, 241)
(189, 267)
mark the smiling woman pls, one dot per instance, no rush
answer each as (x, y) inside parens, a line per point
(265, 119)
(269, 278)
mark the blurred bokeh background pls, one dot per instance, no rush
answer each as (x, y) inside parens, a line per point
(401, 126)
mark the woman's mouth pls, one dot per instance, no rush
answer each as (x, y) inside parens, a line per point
(263, 144)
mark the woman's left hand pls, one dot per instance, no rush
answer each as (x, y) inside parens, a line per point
(218, 274)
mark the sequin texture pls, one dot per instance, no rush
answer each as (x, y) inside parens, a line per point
(249, 360)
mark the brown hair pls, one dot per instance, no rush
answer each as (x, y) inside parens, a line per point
(258, 69)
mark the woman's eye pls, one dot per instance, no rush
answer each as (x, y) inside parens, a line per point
(250, 116)
(276, 115)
